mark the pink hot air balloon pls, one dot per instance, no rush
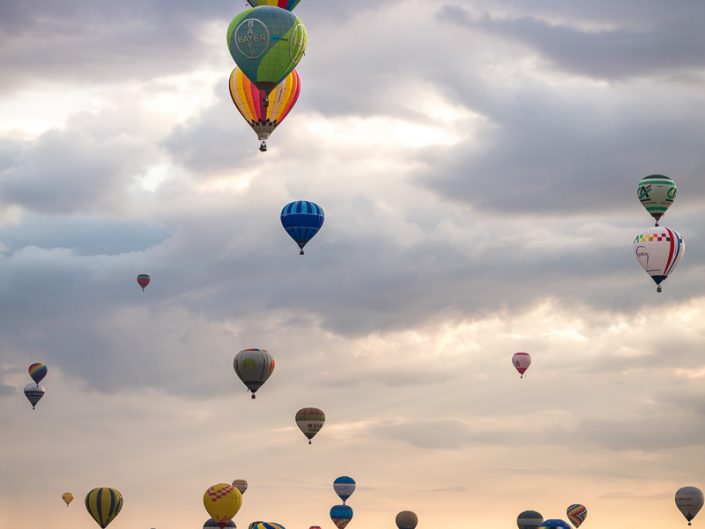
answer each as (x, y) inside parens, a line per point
(521, 362)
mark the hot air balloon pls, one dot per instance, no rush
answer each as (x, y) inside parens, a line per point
(656, 193)
(143, 280)
(407, 520)
(521, 362)
(267, 43)
(658, 251)
(67, 497)
(344, 486)
(222, 501)
(576, 514)
(212, 524)
(341, 515)
(302, 220)
(315, 527)
(241, 485)
(310, 421)
(266, 525)
(37, 371)
(289, 5)
(689, 501)
(529, 520)
(254, 367)
(250, 102)
(104, 504)
(34, 393)
(555, 524)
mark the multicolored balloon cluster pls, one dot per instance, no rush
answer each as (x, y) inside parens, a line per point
(658, 249)
(266, 42)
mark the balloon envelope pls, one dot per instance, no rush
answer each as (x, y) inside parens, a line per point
(222, 501)
(656, 193)
(407, 520)
(34, 393)
(37, 371)
(689, 501)
(264, 112)
(555, 524)
(253, 366)
(341, 515)
(67, 497)
(576, 514)
(302, 220)
(143, 280)
(521, 362)
(284, 4)
(266, 43)
(266, 525)
(659, 250)
(104, 504)
(241, 485)
(529, 520)
(344, 486)
(310, 421)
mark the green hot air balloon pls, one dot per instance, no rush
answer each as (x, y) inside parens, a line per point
(656, 193)
(267, 43)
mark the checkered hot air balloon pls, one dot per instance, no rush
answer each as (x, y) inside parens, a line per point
(659, 250)
(222, 501)
(302, 220)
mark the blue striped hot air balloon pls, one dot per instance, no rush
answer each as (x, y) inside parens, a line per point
(302, 220)
(341, 515)
(344, 486)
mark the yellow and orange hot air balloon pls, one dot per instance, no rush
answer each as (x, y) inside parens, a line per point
(67, 497)
(222, 501)
(264, 112)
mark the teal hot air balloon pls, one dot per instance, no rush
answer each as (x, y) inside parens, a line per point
(267, 43)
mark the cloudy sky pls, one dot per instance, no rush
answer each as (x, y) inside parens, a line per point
(477, 163)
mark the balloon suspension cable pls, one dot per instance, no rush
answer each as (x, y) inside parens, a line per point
(659, 289)
(263, 147)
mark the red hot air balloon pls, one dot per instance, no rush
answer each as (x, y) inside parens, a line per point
(143, 280)
(521, 362)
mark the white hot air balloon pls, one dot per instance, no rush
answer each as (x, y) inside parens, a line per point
(659, 250)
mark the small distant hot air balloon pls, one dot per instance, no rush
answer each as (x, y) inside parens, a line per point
(222, 501)
(576, 514)
(341, 515)
(310, 421)
(555, 524)
(250, 102)
(67, 497)
(302, 220)
(253, 366)
(241, 485)
(529, 520)
(143, 280)
(34, 393)
(104, 504)
(407, 520)
(265, 525)
(289, 5)
(315, 527)
(689, 501)
(521, 362)
(659, 250)
(266, 43)
(37, 371)
(656, 193)
(344, 486)
(212, 524)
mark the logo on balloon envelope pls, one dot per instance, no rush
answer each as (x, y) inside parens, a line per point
(251, 38)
